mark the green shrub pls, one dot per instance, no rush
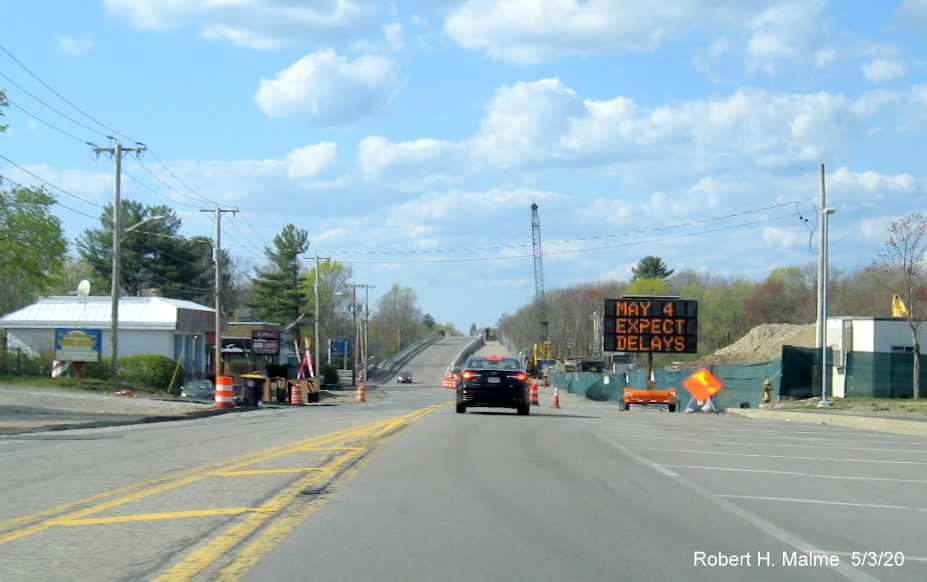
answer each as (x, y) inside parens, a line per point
(329, 374)
(96, 370)
(150, 371)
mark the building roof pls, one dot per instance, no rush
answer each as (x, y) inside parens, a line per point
(96, 312)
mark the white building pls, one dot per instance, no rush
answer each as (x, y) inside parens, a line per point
(871, 355)
(147, 326)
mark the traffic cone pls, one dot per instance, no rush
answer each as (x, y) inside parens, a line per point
(556, 397)
(361, 394)
(533, 395)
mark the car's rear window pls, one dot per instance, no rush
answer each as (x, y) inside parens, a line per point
(494, 364)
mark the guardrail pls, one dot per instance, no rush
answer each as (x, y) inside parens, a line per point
(391, 365)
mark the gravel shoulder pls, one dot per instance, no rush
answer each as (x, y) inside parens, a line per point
(26, 409)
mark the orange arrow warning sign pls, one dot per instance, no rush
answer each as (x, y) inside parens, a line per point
(702, 385)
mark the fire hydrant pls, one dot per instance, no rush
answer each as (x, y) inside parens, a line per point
(767, 391)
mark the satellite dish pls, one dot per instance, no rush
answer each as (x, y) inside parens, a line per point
(83, 288)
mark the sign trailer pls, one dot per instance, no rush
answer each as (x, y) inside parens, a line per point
(637, 324)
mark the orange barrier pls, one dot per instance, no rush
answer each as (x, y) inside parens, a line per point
(361, 394)
(556, 397)
(296, 393)
(225, 394)
(533, 395)
(449, 382)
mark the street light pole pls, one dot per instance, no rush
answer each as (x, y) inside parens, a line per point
(822, 293)
(116, 291)
(354, 317)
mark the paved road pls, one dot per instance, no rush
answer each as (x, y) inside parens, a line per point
(402, 488)
(586, 492)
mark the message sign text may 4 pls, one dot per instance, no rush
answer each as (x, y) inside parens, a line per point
(651, 324)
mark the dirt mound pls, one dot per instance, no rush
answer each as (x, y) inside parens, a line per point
(763, 343)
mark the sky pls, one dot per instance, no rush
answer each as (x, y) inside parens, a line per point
(411, 137)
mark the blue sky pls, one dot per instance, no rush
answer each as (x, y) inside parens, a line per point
(411, 137)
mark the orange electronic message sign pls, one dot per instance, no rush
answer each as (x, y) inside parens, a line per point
(651, 324)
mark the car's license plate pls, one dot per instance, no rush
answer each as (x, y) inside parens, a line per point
(493, 380)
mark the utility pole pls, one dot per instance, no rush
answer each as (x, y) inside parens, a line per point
(217, 256)
(358, 337)
(318, 362)
(116, 152)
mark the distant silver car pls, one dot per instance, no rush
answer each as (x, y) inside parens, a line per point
(198, 390)
(404, 377)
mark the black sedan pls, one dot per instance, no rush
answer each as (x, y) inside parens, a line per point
(493, 381)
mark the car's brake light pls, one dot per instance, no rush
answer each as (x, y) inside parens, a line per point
(494, 358)
(469, 375)
(521, 376)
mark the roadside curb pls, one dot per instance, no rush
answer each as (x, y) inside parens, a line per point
(877, 424)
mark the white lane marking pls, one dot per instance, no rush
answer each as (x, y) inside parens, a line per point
(798, 473)
(748, 516)
(823, 502)
(790, 457)
(768, 444)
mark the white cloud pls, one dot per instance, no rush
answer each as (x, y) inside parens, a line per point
(327, 89)
(913, 14)
(880, 70)
(312, 161)
(533, 31)
(420, 158)
(783, 31)
(546, 123)
(75, 47)
(525, 123)
(258, 24)
(872, 181)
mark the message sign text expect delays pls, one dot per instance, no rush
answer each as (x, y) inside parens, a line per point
(651, 324)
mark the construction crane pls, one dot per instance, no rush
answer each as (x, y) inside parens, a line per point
(542, 349)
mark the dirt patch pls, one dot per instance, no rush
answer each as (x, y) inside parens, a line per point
(29, 409)
(762, 344)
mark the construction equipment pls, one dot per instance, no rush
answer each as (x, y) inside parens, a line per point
(538, 272)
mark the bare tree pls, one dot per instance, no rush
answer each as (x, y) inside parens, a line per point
(903, 262)
(398, 321)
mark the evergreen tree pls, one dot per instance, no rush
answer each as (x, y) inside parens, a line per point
(651, 268)
(153, 254)
(280, 294)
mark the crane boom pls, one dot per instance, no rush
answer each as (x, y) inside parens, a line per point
(538, 271)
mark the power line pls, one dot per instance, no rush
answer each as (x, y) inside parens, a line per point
(47, 183)
(60, 96)
(575, 240)
(569, 251)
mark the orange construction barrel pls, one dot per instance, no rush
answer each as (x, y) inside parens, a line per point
(225, 393)
(296, 393)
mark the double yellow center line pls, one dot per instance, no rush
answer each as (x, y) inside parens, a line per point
(236, 548)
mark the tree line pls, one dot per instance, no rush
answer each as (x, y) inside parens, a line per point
(729, 307)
